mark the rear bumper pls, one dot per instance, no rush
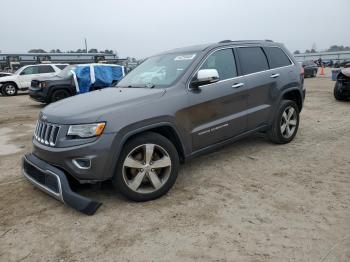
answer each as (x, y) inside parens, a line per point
(54, 182)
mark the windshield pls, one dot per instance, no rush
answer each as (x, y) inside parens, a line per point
(67, 71)
(18, 71)
(158, 71)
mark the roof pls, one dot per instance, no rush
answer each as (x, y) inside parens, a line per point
(198, 48)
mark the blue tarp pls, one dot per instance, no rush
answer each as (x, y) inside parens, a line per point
(101, 77)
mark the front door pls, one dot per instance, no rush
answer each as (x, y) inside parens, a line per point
(216, 111)
(26, 76)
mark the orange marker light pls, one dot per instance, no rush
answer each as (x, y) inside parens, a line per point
(99, 128)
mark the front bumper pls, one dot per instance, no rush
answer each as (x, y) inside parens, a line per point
(38, 94)
(54, 182)
(97, 151)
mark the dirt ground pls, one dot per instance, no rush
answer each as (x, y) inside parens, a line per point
(251, 201)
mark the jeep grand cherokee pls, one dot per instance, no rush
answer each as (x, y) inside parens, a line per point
(137, 133)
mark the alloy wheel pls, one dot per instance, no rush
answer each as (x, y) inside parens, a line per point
(146, 168)
(288, 122)
(10, 89)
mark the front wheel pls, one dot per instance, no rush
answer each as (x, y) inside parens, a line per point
(147, 167)
(9, 89)
(285, 124)
(59, 95)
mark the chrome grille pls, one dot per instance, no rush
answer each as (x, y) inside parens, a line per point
(46, 133)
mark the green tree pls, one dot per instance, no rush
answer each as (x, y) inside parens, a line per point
(39, 50)
(93, 50)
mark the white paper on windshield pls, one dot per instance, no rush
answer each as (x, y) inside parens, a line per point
(184, 57)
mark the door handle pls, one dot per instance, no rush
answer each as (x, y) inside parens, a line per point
(238, 85)
(275, 75)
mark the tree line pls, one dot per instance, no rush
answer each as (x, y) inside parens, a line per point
(332, 48)
(58, 51)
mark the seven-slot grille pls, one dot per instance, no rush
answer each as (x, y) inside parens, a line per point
(46, 133)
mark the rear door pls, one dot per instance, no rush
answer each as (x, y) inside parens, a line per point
(282, 67)
(46, 70)
(261, 84)
(216, 110)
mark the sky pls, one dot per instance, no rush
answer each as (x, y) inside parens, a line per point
(142, 28)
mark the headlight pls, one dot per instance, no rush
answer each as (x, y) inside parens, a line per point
(43, 84)
(85, 131)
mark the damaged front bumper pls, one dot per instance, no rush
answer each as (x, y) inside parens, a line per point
(54, 182)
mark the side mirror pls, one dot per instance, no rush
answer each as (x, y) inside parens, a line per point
(205, 77)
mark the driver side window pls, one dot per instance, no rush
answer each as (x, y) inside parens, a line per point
(223, 61)
(30, 70)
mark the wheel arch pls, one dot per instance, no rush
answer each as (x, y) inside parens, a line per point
(165, 129)
(58, 87)
(294, 95)
(9, 82)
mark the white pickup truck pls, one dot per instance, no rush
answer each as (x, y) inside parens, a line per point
(21, 79)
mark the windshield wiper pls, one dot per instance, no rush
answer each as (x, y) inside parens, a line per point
(149, 85)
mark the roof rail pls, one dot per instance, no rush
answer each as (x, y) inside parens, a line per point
(239, 41)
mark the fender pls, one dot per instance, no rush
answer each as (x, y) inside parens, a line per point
(6, 82)
(280, 97)
(120, 140)
(57, 87)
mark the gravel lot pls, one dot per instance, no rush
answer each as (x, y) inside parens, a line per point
(251, 201)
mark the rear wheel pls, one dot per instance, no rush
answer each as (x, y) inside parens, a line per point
(147, 167)
(338, 92)
(286, 123)
(9, 89)
(59, 95)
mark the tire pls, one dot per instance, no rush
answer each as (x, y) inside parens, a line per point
(337, 92)
(279, 135)
(135, 178)
(59, 95)
(9, 89)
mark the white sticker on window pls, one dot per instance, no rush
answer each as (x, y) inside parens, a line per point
(184, 57)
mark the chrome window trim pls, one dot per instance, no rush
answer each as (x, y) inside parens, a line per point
(236, 77)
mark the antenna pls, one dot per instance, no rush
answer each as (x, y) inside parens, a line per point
(86, 50)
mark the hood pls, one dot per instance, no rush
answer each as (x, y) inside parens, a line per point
(49, 78)
(90, 107)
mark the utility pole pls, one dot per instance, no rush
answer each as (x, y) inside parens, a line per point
(86, 50)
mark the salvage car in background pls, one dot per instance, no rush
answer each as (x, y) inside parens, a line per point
(21, 79)
(75, 79)
(310, 68)
(342, 86)
(2, 74)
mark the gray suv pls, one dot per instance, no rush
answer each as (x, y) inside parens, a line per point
(174, 106)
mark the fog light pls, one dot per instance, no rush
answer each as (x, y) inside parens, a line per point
(82, 163)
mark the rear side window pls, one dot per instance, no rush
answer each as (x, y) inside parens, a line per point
(223, 61)
(277, 58)
(46, 69)
(252, 59)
